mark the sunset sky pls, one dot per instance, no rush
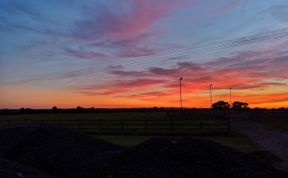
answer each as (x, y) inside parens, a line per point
(131, 53)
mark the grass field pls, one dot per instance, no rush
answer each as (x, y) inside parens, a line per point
(76, 116)
(236, 141)
(125, 122)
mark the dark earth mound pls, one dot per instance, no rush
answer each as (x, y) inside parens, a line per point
(185, 157)
(266, 156)
(9, 169)
(67, 153)
(59, 151)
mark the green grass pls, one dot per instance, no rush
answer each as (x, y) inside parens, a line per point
(124, 140)
(241, 143)
(238, 142)
(76, 116)
(122, 120)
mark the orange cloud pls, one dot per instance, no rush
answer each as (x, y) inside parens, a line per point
(246, 72)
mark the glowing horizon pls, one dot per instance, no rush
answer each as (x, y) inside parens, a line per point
(131, 53)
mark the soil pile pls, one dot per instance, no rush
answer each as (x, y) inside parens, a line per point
(65, 153)
(185, 157)
(11, 169)
(59, 151)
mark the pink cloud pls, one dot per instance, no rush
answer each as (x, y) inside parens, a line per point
(123, 73)
(260, 68)
(138, 83)
(150, 94)
(130, 25)
(242, 71)
(126, 30)
(145, 13)
(119, 87)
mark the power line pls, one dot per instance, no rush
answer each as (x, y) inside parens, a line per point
(216, 45)
(235, 42)
(181, 78)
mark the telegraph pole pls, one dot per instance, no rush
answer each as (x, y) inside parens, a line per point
(210, 88)
(181, 91)
(230, 95)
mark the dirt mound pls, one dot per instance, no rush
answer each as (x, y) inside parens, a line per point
(265, 156)
(59, 151)
(67, 153)
(15, 170)
(185, 157)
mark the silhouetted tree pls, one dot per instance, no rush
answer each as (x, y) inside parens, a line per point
(92, 109)
(221, 105)
(79, 109)
(239, 105)
(22, 110)
(54, 109)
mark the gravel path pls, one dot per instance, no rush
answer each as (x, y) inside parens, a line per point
(268, 139)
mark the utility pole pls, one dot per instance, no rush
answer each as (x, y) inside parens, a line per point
(210, 88)
(230, 96)
(181, 92)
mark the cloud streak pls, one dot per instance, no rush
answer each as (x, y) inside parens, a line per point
(126, 30)
(125, 25)
(85, 54)
(243, 71)
(123, 86)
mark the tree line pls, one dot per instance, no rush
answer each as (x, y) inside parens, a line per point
(219, 105)
(236, 105)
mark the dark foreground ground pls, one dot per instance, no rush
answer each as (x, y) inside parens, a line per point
(28, 152)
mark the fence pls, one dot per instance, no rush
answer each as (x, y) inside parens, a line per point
(190, 123)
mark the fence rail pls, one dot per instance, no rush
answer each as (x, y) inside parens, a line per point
(173, 123)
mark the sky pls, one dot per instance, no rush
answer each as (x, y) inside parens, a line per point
(131, 53)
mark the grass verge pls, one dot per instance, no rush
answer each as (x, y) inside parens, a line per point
(237, 141)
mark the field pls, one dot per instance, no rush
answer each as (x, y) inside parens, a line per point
(146, 123)
(274, 123)
(91, 116)
(237, 141)
(234, 140)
